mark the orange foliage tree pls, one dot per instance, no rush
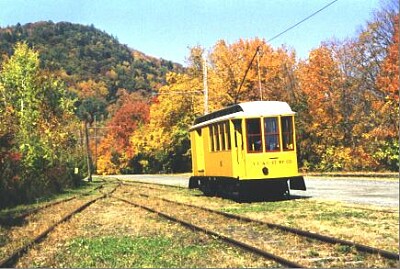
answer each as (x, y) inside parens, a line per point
(320, 82)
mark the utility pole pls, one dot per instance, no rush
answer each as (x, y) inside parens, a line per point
(89, 157)
(205, 85)
(95, 145)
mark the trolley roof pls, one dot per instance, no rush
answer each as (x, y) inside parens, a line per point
(247, 109)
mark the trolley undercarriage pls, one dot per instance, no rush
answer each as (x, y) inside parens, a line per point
(246, 189)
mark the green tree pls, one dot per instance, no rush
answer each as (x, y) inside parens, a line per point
(37, 129)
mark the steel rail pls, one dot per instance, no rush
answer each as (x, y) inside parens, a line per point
(8, 219)
(227, 239)
(126, 182)
(320, 237)
(11, 260)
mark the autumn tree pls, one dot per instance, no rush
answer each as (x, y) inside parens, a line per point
(321, 85)
(251, 70)
(115, 150)
(163, 144)
(387, 127)
(371, 72)
(365, 119)
(230, 62)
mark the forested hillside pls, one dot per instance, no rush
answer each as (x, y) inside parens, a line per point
(56, 80)
(81, 53)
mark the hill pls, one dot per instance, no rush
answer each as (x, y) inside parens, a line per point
(81, 53)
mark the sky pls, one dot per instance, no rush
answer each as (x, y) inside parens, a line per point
(167, 28)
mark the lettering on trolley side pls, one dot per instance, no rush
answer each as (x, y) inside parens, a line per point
(273, 162)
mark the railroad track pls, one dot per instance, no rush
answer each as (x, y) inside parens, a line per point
(15, 219)
(12, 258)
(288, 246)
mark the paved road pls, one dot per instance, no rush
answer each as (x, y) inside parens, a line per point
(361, 191)
(384, 193)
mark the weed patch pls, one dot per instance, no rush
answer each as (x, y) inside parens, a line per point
(123, 252)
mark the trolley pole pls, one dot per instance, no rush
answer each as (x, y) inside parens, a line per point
(259, 75)
(205, 85)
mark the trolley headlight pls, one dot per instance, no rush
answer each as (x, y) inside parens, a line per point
(265, 171)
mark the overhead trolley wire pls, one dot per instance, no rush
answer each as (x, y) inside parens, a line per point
(278, 35)
(259, 47)
(300, 22)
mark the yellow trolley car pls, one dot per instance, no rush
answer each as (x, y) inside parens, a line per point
(246, 150)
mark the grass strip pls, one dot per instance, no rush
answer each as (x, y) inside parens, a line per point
(131, 252)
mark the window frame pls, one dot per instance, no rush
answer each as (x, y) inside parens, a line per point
(260, 135)
(290, 133)
(221, 129)
(220, 136)
(228, 135)
(216, 136)
(211, 135)
(276, 134)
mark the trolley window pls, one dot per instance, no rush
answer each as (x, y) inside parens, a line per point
(271, 130)
(254, 142)
(228, 134)
(287, 133)
(216, 135)
(222, 135)
(237, 124)
(212, 148)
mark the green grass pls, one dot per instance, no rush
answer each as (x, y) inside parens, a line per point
(124, 251)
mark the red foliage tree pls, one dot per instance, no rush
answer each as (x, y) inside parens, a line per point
(115, 150)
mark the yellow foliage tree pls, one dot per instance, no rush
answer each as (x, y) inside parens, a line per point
(171, 115)
(269, 72)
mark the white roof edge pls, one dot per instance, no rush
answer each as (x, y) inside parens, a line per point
(253, 109)
(266, 108)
